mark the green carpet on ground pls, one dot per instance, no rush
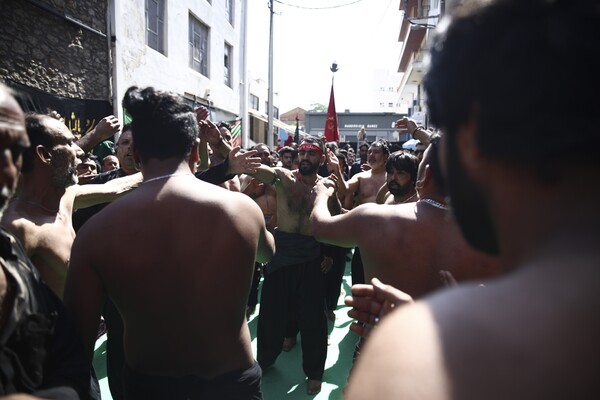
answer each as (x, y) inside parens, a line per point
(286, 380)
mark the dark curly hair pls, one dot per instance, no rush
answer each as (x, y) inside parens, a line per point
(163, 125)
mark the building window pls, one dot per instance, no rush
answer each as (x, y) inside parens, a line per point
(390, 105)
(253, 102)
(381, 105)
(391, 89)
(155, 30)
(198, 46)
(275, 110)
(227, 62)
(229, 11)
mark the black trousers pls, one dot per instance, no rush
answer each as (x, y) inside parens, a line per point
(297, 290)
(333, 279)
(115, 353)
(253, 295)
(234, 385)
(358, 272)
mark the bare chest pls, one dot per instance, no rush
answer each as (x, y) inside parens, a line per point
(368, 188)
(294, 207)
(49, 247)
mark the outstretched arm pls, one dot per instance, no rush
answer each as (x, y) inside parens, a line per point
(88, 195)
(242, 163)
(266, 174)
(340, 230)
(106, 128)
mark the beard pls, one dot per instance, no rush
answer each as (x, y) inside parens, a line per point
(65, 174)
(306, 168)
(397, 189)
(469, 206)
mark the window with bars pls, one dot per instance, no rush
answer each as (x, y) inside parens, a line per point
(198, 42)
(155, 25)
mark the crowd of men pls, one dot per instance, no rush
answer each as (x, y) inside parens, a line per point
(474, 258)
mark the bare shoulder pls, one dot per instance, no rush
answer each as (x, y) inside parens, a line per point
(402, 359)
(469, 341)
(397, 212)
(22, 227)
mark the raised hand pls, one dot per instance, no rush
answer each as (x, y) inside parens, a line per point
(201, 113)
(372, 302)
(107, 127)
(243, 163)
(209, 132)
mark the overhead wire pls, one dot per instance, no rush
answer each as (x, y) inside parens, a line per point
(317, 8)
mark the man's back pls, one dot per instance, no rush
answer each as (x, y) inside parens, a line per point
(165, 282)
(414, 242)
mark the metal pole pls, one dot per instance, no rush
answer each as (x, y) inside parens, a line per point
(269, 137)
(244, 86)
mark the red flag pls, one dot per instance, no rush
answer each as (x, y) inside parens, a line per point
(332, 133)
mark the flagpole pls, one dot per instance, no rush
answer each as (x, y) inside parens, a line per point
(331, 113)
(269, 138)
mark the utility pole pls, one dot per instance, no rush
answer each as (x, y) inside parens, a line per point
(270, 95)
(244, 77)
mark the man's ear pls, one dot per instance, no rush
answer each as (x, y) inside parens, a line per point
(195, 154)
(468, 151)
(43, 154)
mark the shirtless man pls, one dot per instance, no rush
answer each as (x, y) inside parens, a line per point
(190, 276)
(401, 176)
(293, 280)
(220, 152)
(265, 196)
(234, 163)
(40, 215)
(263, 193)
(532, 334)
(421, 244)
(405, 245)
(365, 186)
(38, 353)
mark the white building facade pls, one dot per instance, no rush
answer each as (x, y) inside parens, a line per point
(192, 47)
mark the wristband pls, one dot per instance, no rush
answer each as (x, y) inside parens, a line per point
(420, 127)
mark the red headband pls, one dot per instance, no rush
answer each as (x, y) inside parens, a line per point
(310, 147)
